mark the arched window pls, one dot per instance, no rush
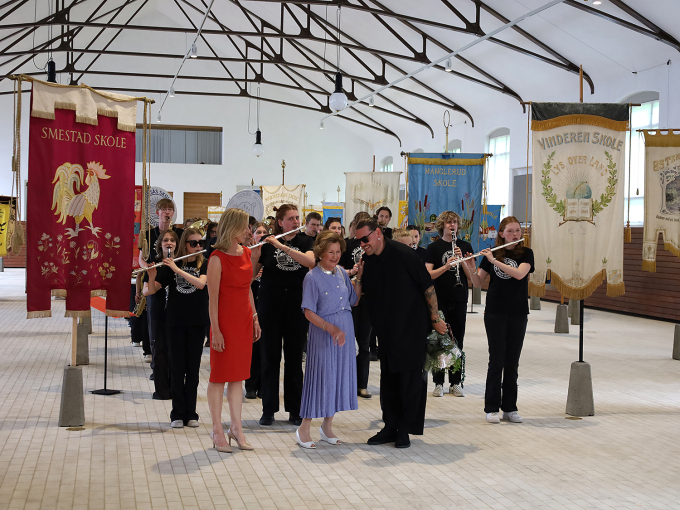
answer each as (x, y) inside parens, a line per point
(387, 164)
(498, 184)
(645, 116)
(455, 147)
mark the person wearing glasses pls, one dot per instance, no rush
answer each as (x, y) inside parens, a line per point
(187, 316)
(402, 304)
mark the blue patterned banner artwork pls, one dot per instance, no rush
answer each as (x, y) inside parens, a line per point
(446, 182)
(488, 226)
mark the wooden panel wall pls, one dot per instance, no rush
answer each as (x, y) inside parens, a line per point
(196, 204)
(16, 260)
(651, 294)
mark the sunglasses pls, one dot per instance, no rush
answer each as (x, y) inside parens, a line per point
(365, 238)
(193, 243)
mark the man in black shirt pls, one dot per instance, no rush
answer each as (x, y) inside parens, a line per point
(384, 216)
(403, 310)
(451, 284)
(312, 225)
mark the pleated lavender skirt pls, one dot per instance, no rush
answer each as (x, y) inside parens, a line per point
(330, 383)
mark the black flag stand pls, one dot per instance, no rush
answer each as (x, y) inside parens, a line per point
(105, 391)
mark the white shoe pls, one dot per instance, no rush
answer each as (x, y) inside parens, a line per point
(177, 424)
(148, 358)
(512, 416)
(438, 390)
(193, 424)
(456, 390)
(492, 418)
(331, 440)
(308, 445)
(136, 344)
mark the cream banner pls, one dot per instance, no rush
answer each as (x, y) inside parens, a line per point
(368, 191)
(274, 196)
(662, 195)
(577, 228)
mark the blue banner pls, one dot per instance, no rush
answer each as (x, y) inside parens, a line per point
(332, 210)
(446, 182)
(488, 226)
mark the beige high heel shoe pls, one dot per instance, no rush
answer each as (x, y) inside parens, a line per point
(241, 446)
(221, 449)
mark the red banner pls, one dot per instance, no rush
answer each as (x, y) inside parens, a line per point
(80, 199)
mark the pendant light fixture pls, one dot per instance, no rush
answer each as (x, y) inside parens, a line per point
(171, 92)
(338, 100)
(258, 149)
(194, 51)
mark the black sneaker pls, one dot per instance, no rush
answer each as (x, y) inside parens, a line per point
(402, 441)
(151, 377)
(251, 394)
(382, 437)
(373, 357)
(295, 419)
(267, 419)
(156, 396)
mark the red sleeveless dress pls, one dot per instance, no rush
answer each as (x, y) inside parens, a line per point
(235, 319)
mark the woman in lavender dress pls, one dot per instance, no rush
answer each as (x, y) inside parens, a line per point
(330, 383)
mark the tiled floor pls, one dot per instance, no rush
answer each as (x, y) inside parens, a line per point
(626, 456)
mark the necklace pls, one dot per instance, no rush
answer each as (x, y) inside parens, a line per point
(326, 271)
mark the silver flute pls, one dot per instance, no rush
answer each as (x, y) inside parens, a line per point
(454, 235)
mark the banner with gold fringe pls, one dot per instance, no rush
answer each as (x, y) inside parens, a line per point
(82, 168)
(662, 195)
(4, 228)
(275, 196)
(577, 227)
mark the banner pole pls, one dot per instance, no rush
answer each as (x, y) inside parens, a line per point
(74, 341)
(580, 80)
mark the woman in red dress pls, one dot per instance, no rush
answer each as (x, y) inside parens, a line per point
(234, 325)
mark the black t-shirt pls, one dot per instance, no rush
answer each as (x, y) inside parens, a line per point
(155, 232)
(388, 232)
(438, 253)
(187, 305)
(352, 254)
(210, 247)
(507, 295)
(422, 253)
(280, 270)
(303, 234)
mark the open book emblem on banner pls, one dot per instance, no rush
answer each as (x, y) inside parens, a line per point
(579, 184)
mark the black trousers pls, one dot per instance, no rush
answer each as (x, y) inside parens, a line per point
(403, 396)
(186, 348)
(139, 326)
(505, 334)
(455, 315)
(362, 332)
(159, 344)
(254, 382)
(283, 326)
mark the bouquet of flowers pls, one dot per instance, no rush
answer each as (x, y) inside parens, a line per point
(442, 352)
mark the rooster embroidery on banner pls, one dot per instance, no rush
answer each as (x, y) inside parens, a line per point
(67, 202)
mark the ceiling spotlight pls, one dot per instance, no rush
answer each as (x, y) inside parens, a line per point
(321, 125)
(371, 101)
(597, 2)
(258, 149)
(448, 67)
(338, 99)
(194, 51)
(158, 119)
(171, 92)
